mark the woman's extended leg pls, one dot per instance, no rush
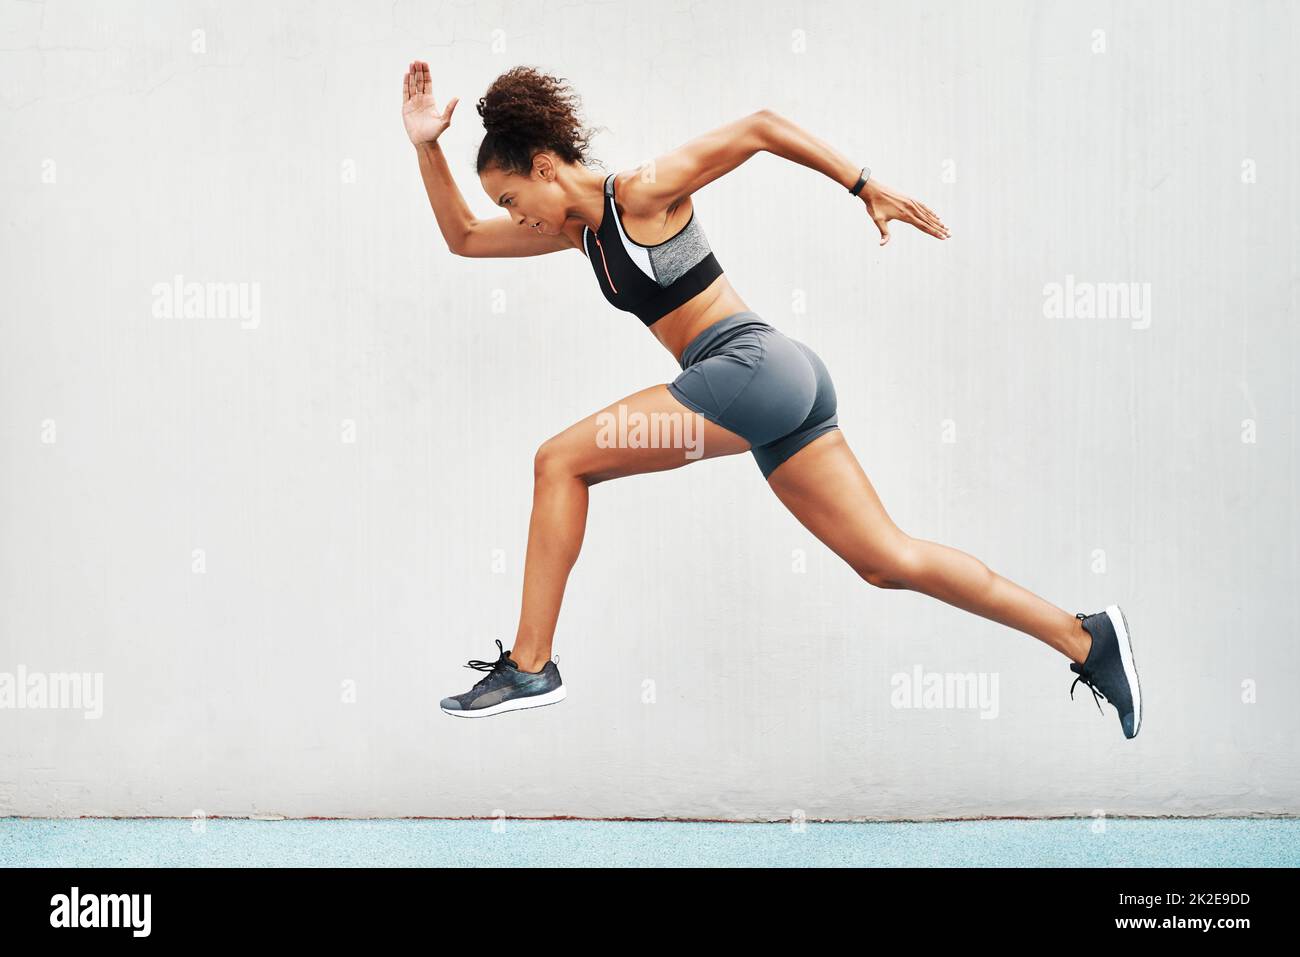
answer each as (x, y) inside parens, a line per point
(828, 492)
(668, 434)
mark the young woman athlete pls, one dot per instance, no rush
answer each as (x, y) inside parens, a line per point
(749, 387)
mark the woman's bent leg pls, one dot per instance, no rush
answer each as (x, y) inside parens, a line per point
(649, 431)
(825, 488)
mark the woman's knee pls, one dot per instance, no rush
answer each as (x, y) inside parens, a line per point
(558, 458)
(552, 459)
(898, 566)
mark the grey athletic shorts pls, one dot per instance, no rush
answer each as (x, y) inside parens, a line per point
(746, 376)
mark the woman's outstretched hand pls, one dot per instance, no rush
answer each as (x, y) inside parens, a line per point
(884, 204)
(424, 123)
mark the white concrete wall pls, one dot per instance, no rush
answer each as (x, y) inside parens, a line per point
(1094, 460)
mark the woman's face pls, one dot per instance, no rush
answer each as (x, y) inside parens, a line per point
(535, 201)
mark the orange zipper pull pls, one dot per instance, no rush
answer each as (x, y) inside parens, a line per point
(604, 263)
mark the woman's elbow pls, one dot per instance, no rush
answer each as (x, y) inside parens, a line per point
(459, 245)
(761, 124)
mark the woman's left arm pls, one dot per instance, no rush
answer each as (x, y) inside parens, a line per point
(678, 174)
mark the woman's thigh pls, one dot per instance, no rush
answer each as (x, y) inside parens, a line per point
(648, 431)
(825, 488)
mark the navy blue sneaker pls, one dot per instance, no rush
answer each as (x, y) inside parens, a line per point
(1109, 667)
(506, 688)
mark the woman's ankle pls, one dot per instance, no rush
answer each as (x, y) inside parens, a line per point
(529, 662)
(1080, 643)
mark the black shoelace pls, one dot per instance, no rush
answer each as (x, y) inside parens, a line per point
(492, 667)
(1087, 678)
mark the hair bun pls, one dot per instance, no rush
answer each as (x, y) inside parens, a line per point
(525, 110)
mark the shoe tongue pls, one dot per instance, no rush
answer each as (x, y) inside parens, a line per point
(510, 661)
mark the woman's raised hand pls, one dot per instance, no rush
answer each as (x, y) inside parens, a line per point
(884, 204)
(424, 122)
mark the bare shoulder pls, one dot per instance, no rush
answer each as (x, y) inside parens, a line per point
(648, 217)
(636, 193)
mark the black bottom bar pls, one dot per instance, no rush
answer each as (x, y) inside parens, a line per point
(450, 907)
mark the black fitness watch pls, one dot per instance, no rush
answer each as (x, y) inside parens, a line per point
(863, 175)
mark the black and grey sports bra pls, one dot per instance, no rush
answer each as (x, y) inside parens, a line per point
(650, 281)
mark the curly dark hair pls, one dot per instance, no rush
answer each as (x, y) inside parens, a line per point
(525, 111)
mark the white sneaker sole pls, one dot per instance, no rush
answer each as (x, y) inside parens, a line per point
(1126, 656)
(554, 696)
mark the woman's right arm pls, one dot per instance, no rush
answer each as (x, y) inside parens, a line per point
(464, 234)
